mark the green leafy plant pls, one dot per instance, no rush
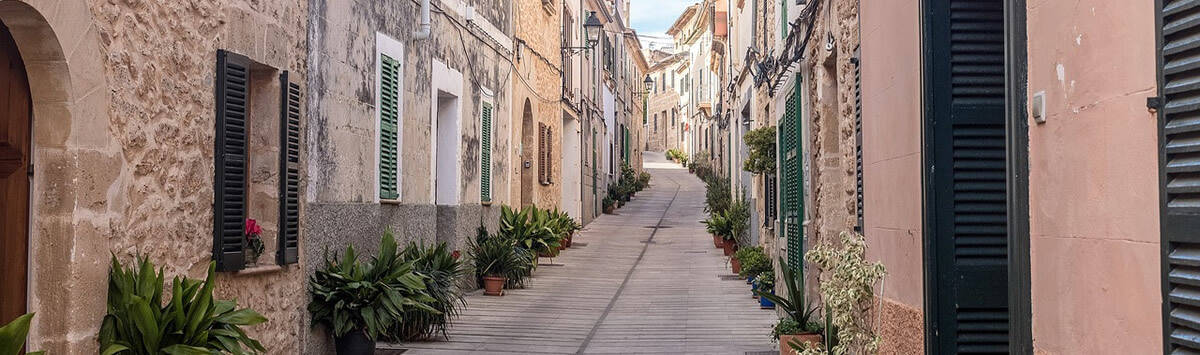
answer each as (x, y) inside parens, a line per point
(643, 180)
(349, 296)
(497, 255)
(717, 224)
(439, 268)
(765, 281)
(761, 158)
(754, 261)
(190, 322)
(12, 335)
(794, 305)
(716, 196)
(738, 217)
(531, 228)
(848, 290)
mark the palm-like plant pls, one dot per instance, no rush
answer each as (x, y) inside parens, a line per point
(12, 335)
(795, 306)
(439, 270)
(191, 322)
(529, 228)
(349, 296)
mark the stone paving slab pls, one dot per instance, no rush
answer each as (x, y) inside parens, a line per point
(630, 288)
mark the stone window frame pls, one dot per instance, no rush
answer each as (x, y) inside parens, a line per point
(386, 45)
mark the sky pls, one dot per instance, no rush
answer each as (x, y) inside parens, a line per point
(654, 17)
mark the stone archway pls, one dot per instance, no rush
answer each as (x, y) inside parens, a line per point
(65, 284)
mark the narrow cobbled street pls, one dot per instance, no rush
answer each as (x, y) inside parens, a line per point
(646, 280)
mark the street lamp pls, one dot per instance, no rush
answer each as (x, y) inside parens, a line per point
(592, 27)
(649, 84)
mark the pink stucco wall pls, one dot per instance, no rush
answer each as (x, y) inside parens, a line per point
(891, 111)
(1093, 178)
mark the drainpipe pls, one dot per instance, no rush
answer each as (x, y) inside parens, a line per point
(425, 29)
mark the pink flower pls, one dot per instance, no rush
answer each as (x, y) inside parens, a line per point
(252, 228)
(455, 255)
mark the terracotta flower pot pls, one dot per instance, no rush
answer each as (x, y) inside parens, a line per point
(728, 246)
(548, 253)
(717, 242)
(786, 340)
(494, 285)
(570, 237)
(609, 209)
(737, 265)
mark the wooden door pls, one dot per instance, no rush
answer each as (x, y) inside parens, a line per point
(528, 154)
(14, 178)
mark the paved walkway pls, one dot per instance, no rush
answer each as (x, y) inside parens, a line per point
(626, 287)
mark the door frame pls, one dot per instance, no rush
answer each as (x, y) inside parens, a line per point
(1017, 164)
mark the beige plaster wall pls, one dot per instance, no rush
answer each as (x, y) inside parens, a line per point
(123, 99)
(1093, 183)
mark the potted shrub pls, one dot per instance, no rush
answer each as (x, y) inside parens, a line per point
(495, 260)
(797, 327)
(718, 226)
(738, 218)
(609, 204)
(441, 270)
(141, 321)
(765, 282)
(748, 262)
(360, 301)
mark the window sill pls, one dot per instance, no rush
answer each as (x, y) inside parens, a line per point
(260, 270)
(389, 202)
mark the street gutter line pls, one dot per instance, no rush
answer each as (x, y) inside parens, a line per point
(612, 302)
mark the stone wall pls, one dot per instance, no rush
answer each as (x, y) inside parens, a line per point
(538, 82)
(123, 95)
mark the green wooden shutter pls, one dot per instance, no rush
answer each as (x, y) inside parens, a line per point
(1179, 187)
(791, 155)
(783, 21)
(289, 172)
(389, 119)
(485, 156)
(229, 177)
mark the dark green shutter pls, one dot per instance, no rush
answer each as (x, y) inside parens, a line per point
(967, 176)
(1178, 77)
(858, 145)
(791, 156)
(289, 172)
(389, 118)
(485, 157)
(783, 20)
(229, 177)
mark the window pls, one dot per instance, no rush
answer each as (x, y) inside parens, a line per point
(389, 78)
(656, 123)
(257, 153)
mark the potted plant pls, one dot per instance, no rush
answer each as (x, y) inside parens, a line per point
(254, 243)
(797, 326)
(737, 216)
(748, 262)
(495, 260)
(765, 283)
(360, 301)
(718, 226)
(441, 269)
(143, 319)
(609, 204)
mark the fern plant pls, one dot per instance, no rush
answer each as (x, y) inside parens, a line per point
(192, 321)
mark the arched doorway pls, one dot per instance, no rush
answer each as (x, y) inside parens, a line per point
(15, 115)
(528, 153)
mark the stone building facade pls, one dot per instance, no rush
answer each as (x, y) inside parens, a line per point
(122, 159)
(664, 131)
(537, 97)
(451, 94)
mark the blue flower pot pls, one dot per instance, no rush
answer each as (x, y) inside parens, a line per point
(766, 303)
(750, 280)
(753, 287)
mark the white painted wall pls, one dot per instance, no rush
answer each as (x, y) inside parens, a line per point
(572, 169)
(445, 134)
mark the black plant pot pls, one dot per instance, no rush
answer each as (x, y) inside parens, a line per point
(354, 343)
